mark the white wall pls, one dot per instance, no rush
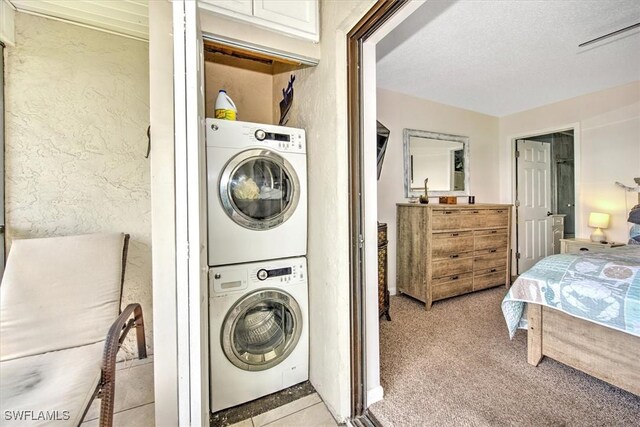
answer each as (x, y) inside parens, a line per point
(609, 151)
(77, 111)
(398, 111)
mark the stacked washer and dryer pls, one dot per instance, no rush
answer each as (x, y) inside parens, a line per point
(257, 232)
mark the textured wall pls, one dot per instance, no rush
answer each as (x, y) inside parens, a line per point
(77, 110)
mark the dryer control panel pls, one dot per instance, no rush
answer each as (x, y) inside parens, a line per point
(236, 134)
(289, 140)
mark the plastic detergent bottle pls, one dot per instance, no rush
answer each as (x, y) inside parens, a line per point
(225, 108)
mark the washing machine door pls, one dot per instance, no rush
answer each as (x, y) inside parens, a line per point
(261, 329)
(259, 189)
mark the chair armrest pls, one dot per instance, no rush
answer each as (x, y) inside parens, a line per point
(117, 333)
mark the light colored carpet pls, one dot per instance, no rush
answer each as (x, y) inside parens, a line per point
(455, 365)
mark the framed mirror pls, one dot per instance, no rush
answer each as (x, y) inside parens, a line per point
(440, 157)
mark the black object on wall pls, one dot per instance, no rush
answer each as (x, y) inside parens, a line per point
(383, 139)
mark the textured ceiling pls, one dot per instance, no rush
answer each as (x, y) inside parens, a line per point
(124, 17)
(502, 57)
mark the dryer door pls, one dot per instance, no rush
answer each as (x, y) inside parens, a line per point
(261, 329)
(259, 189)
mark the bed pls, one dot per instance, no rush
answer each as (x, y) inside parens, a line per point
(582, 310)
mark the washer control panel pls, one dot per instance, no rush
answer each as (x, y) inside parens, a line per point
(232, 279)
(294, 271)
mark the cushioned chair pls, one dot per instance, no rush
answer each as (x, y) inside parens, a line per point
(61, 327)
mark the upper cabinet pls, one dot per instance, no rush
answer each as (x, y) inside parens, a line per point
(295, 18)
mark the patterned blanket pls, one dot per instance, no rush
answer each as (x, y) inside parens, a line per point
(602, 287)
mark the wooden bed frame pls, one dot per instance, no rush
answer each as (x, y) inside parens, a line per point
(602, 352)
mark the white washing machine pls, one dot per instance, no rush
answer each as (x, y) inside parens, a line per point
(256, 191)
(258, 329)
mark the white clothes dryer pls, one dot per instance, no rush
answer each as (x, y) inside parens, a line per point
(258, 329)
(256, 191)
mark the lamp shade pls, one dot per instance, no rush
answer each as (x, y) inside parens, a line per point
(598, 220)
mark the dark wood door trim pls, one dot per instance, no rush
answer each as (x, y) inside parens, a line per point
(372, 20)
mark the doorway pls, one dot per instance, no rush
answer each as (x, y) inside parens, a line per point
(545, 195)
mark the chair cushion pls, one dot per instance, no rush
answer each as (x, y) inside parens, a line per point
(62, 381)
(59, 292)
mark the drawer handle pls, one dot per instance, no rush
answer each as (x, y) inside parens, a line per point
(476, 212)
(448, 212)
(500, 211)
(493, 250)
(454, 256)
(584, 249)
(493, 270)
(455, 234)
(455, 277)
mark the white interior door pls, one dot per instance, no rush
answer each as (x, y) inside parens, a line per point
(191, 242)
(535, 240)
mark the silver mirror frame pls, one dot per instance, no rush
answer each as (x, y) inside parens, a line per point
(406, 136)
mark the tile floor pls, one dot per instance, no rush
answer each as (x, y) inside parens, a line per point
(134, 396)
(134, 404)
(309, 411)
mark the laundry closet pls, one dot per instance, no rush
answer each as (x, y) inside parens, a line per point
(256, 186)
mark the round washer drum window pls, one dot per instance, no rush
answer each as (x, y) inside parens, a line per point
(261, 330)
(259, 189)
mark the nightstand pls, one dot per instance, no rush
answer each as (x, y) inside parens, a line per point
(584, 245)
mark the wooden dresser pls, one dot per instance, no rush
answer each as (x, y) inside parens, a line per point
(448, 250)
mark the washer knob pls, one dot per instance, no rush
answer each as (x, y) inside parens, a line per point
(262, 274)
(260, 135)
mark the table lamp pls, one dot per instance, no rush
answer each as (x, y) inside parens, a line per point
(599, 221)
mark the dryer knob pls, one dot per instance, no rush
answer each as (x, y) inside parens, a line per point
(262, 274)
(260, 135)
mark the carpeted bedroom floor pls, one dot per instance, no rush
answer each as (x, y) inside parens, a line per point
(455, 366)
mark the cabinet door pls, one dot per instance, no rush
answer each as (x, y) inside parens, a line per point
(244, 7)
(300, 15)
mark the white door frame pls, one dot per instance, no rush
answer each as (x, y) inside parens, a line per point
(191, 264)
(370, 202)
(576, 173)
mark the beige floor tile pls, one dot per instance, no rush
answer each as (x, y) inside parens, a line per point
(142, 416)
(134, 387)
(314, 416)
(243, 423)
(284, 410)
(126, 364)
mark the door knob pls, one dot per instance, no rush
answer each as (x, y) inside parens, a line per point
(549, 214)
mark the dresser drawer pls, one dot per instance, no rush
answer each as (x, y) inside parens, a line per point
(444, 246)
(452, 288)
(449, 267)
(442, 220)
(491, 252)
(485, 218)
(493, 260)
(490, 239)
(493, 278)
(461, 276)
